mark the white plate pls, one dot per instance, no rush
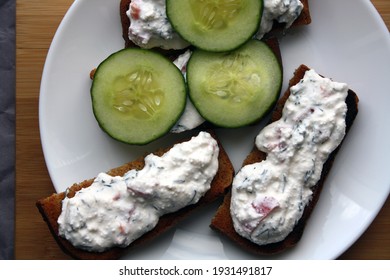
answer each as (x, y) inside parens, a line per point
(347, 41)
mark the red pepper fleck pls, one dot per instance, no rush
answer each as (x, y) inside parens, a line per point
(121, 229)
(134, 11)
(265, 205)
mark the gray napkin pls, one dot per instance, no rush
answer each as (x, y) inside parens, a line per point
(7, 126)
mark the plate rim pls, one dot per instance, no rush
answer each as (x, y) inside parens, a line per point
(73, 8)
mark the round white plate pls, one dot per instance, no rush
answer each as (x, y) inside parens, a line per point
(346, 41)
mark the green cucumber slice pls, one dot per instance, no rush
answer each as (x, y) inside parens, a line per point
(137, 95)
(215, 25)
(237, 88)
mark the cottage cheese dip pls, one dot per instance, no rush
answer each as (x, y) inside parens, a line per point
(268, 197)
(283, 11)
(114, 211)
(190, 117)
(149, 26)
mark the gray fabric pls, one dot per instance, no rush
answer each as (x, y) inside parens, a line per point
(7, 126)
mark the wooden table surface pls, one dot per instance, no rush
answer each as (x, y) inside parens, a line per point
(37, 21)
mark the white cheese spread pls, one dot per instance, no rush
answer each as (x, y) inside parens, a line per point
(268, 197)
(190, 117)
(283, 11)
(114, 211)
(150, 27)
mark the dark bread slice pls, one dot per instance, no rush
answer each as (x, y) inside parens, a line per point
(50, 207)
(125, 22)
(222, 221)
(303, 19)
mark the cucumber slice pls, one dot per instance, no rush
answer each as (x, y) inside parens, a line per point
(215, 25)
(237, 88)
(137, 95)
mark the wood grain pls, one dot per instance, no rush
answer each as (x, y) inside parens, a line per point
(383, 7)
(36, 23)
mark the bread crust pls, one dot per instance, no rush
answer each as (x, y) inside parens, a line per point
(50, 207)
(222, 221)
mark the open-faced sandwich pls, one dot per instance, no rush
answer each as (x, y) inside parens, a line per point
(280, 182)
(163, 24)
(104, 217)
(176, 28)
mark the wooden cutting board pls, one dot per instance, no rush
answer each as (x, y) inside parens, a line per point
(36, 23)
